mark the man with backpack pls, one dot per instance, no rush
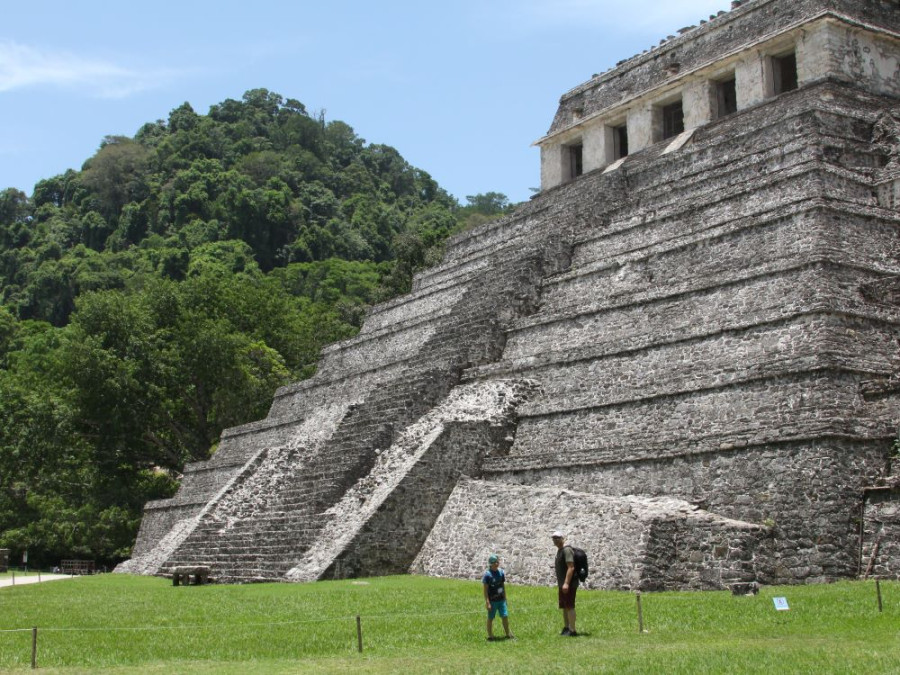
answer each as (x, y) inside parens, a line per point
(566, 581)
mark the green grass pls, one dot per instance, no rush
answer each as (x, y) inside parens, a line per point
(145, 625)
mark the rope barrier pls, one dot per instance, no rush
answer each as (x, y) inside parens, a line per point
(111, 629)
(655, 602)
(351, 617)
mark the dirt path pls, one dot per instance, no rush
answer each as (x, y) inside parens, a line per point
(20, 579)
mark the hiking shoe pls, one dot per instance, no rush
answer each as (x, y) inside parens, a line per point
(566, 631)
(492, 639)
(510, 637)
(573, 633)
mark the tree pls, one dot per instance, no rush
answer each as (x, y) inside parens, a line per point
(58, 191)
(488, 203)
(164, 292)
(13, 206)
(15, 214)
(183, 118)
(8, 329)
(116, 174)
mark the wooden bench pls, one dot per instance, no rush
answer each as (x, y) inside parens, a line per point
(184, 573)
(77, 567)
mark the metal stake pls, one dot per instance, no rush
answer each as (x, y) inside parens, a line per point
(640, 612)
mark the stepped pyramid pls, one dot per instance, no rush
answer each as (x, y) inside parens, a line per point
(683, 351)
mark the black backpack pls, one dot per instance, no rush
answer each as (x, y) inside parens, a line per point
(581, 563)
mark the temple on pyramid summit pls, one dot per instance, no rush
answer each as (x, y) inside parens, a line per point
(684, 351)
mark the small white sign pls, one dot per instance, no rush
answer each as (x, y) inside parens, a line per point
(781, 604)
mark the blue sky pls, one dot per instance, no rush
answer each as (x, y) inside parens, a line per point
(460, 88)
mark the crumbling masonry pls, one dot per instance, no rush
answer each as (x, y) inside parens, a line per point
(684, 351)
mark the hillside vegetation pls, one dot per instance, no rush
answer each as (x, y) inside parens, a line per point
(163, 293)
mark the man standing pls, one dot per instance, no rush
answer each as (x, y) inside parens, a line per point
(566, 581)
(493, 581)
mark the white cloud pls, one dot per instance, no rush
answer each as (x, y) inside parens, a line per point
(24, 66)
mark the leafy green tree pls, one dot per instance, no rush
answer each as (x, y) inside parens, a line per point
(488, 203)
(116, 175)
(163, 293)
(183, 118)
(8, 329)
(58, 191)
(14, 207)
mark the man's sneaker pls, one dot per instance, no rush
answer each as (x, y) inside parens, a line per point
(510, 637)
(566, 631)
(492, 639)
(573, 633)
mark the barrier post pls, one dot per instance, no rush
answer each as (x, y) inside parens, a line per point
(359, 633)
(878, 592)
(640, 612)
(34, 647)
(14, 578)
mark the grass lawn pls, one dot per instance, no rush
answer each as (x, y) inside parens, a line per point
(126, 624)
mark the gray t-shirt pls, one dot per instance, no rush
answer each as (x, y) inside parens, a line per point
(564, 556)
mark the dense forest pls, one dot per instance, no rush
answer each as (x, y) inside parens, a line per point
(165, 290)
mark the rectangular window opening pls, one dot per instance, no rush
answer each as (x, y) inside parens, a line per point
(727, 95)
(620, 141)
(673, 119)
(576, 167)
(784, 73)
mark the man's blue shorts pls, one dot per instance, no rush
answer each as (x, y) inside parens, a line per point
(498, 606)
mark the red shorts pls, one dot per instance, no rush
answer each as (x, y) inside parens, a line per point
(567, 600)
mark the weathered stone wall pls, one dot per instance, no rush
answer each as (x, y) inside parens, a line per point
(159, 518)
(713, 337)
(849, 51)
(723, 34)
(880, 540)
(849, 42)
(810, 492)
(632, 543)
(755, 413)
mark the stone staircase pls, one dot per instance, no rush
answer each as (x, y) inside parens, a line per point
(404, 362)
(380, 523)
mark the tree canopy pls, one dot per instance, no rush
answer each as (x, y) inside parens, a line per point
(164, 291)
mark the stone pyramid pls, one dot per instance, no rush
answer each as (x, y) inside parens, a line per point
(683, 351)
